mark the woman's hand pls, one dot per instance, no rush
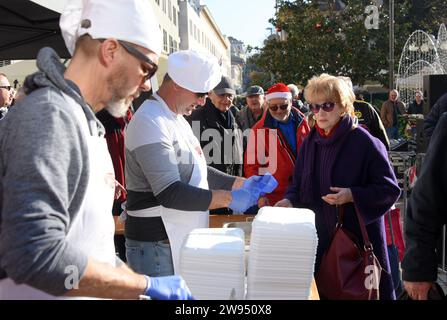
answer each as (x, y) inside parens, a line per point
(284, 203)
(341, 196)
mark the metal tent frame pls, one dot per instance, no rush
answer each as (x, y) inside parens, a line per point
(26, 27)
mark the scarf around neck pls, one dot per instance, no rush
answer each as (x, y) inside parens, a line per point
(330, 146)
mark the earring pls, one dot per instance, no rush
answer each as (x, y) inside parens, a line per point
(314, 117)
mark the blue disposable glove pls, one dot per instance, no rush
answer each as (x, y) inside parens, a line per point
(168, 288)
(242, 199)
(261, 184)
(252, 182)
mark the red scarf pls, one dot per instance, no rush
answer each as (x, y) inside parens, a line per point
(331, 132)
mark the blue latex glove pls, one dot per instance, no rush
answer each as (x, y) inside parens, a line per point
(261, 184)
(242, 199)
(168, 288)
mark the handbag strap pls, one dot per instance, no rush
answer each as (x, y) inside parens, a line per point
(366, 242)
(390, 225)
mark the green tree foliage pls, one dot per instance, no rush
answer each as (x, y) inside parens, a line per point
(337, 41)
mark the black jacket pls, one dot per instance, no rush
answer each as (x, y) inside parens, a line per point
(433, 116)
(415, 108)
(369, 118)
(427, 211)
(228, 160)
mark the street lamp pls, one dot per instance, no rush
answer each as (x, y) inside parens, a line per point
(391, 59)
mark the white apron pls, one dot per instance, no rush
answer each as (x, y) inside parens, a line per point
(93, 228)
(179, 223)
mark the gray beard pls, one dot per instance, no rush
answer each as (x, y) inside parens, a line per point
(117, 109)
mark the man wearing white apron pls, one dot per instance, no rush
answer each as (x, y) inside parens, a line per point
(170, 187)
(57, 181)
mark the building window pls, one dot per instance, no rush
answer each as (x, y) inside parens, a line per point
(164, 5)
(174, 10)
(5, 63)
(171, 45)
(165, 41)
(190, 27)
(169, 10)
(157, 2)
(195, 32)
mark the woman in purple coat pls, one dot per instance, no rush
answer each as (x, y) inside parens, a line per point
(342, 164)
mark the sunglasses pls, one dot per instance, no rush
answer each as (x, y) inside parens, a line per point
(327, 107)
(275, 107)
(201, 95)
(8, 88)
(142, 57)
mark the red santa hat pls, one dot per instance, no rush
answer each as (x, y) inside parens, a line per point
(279, 90)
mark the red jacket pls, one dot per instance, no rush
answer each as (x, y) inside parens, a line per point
(262, 139)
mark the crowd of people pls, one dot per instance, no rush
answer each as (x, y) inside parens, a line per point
(74, 153)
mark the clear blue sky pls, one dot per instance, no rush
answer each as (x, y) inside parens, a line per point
(245, 20)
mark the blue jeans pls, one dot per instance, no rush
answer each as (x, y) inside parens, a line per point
(150, 258)
(392, 132)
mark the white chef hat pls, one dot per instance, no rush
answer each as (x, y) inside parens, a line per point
(197, 72)
(128, 20)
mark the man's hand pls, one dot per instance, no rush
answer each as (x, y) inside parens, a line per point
(261, 184)
(341, 196)
(418, 290)
(242, 199)
(119, 189)
(263, 202)
(168, 288)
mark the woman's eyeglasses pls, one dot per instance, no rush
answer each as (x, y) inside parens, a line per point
(8, 88)
(275, 107)
(327, 107)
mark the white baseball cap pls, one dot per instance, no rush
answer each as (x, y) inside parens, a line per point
(194, 71)
(128, 20)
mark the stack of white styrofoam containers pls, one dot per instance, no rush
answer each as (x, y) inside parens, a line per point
(212, 263)
(282, 254)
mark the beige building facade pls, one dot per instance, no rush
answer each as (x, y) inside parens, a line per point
(199, 31)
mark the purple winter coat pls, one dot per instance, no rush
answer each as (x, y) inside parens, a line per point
(350, 158)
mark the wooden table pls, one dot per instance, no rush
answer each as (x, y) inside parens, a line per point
(119, 226)
(314, 291)
(218, 220)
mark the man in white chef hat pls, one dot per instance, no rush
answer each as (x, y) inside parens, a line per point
(170, 187)
(56, 237)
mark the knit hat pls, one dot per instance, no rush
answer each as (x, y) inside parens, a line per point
(279, 90)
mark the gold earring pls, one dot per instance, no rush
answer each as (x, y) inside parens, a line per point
(314, 117)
